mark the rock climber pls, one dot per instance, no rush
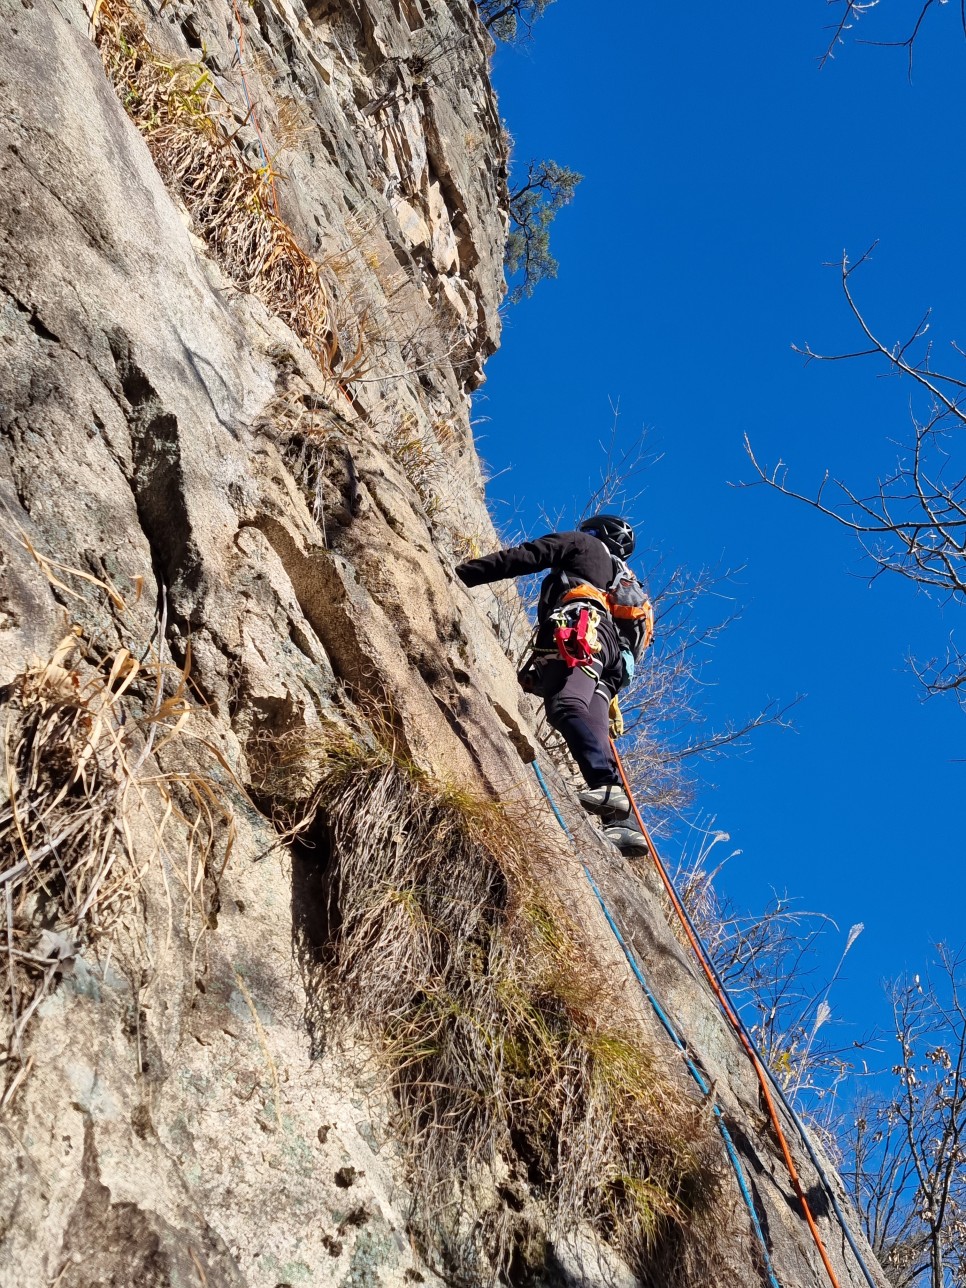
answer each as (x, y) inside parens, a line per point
(581, 655)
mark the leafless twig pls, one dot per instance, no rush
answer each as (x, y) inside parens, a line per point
(914, 522)
(907, 1172)
(856, 9)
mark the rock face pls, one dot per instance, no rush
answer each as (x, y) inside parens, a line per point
(222, 536)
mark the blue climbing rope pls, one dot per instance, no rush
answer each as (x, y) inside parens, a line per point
(696, 1074)
(698, 1077)
(794, 1116)
(789, 1109)
(550, 800)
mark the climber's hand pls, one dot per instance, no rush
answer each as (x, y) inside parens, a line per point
(469, 574)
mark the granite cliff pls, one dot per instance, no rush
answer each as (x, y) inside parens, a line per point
(303, 984)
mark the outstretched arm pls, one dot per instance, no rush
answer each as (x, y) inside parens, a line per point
(532, 556)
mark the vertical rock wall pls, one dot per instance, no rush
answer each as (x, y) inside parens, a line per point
(214, 541)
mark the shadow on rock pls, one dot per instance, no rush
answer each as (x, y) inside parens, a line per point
(314, 923)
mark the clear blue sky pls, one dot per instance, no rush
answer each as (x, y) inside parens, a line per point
(723, 170)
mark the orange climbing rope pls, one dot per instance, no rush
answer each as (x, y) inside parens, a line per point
(735, 1022)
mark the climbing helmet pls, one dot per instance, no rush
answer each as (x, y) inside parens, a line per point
(615, 532)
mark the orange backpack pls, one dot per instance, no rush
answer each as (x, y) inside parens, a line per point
(626, 601)
(630, 608)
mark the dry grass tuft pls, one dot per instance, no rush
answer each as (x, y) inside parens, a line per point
(305, 430)
(525, 1115)
(85, 810)
(306, 454)
(419, 455)
(189, 131)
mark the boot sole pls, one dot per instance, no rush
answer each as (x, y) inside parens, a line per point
(606, 811)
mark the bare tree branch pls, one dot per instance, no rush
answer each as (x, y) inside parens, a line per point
(854, 10)
(914, 523)
(768, 961)
(907, 1173)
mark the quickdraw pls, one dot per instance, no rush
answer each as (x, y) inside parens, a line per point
(577, 641)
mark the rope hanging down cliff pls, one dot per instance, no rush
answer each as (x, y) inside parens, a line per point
(764, 1077)
(699, 1078)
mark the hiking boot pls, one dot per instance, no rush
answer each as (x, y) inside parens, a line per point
(629, 840)
(609, 801)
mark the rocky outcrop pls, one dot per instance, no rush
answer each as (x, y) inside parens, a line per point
(225, 534)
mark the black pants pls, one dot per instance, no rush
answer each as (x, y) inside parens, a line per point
(577, 701)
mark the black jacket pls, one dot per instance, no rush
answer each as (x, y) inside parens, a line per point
(572, 557)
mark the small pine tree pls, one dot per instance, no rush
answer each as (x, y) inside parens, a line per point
(533, 208)
(511, 19)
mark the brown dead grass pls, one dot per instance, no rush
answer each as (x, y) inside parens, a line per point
(87, 807)
(527, 1116)
(191, 136)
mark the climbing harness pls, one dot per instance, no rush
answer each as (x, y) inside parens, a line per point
(766, 1079)
(616, 601)
(584, 590)
(576, 636)
(576, 621)
(625, 601)
(575, 643)
(699, 1078)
